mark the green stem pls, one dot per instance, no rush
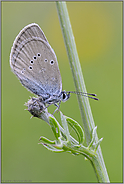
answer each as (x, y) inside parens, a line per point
(86, 114)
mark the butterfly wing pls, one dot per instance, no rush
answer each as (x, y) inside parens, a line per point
(34, 62)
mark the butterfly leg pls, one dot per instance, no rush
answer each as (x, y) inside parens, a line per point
(58, 106)
(48, 105)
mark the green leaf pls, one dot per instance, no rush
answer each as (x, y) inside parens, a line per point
(77, 128)
(98, 143)
(55, 127)
(93, 137)
(52, 148)
(65, 126)
(44, 139)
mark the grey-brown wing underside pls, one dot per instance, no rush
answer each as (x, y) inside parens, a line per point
(34, 62)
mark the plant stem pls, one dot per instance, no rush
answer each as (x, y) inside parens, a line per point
(86, 114)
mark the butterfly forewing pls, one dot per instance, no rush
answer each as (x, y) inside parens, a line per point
(34, 62)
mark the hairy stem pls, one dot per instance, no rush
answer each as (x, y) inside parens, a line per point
(86, 114)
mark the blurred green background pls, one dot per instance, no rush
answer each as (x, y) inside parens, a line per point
(97, 27)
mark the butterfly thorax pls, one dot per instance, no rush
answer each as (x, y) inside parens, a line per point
(53, 99)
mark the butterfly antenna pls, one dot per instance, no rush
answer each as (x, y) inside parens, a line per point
(89, 95)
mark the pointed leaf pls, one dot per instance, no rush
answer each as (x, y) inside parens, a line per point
(54, 126)
(98, 143)
(65, 126)
(44, 139)
(93, 137)
(52, 148)
(77, 128)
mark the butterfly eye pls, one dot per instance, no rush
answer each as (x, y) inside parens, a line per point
(64, 96)
(35, 57)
